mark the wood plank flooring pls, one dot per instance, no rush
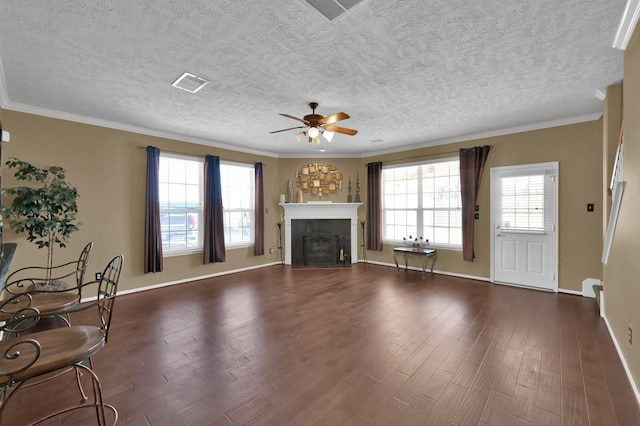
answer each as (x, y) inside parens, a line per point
(355, 346)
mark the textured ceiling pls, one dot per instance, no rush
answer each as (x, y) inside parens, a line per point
(410, 73)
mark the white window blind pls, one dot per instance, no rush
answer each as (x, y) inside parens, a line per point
(523, 203)
(423, 200)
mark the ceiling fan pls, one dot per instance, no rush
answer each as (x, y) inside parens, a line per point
(318, 125)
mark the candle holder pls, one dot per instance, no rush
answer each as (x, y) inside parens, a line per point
(417, 242)
(363, 246)
(279, 249)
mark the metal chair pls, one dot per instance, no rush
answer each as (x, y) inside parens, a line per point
(43, 353)
(48, 287)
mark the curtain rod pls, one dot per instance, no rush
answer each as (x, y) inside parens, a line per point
(395, 160)
(197, 155)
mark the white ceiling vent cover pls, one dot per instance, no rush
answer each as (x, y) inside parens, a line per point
(331, 9)
(190, 82)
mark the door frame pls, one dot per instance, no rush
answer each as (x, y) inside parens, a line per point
(554, 165)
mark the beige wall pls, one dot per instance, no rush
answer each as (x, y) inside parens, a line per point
(578, 150)
(351, 168)
(109, 171)
(621, 283)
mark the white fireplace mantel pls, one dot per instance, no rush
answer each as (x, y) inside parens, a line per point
(320, 211)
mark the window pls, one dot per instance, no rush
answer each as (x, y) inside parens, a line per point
(423, 200)
(238, 201)
(522, 203)
(182, 203)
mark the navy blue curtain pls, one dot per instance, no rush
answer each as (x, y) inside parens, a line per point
(258, 248)
(214, 250)
(152, 237)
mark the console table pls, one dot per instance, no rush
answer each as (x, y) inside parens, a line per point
(424, 254)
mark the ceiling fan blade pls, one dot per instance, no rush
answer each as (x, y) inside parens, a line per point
(343, 130)
(290, 128)
(333, 118)
(296, 118)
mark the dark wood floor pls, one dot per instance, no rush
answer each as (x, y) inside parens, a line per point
(363, 345)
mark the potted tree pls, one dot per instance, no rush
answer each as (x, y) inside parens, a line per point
(47, 211)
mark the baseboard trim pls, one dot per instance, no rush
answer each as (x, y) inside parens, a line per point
(574, 292)
(435, 271)
(623, 360)
(266, 265)
(202, 277)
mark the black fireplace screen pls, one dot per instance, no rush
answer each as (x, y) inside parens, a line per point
(320, 243)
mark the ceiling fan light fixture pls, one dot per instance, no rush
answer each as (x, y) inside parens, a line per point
(313, 132)
(317, 125)
(328, 135)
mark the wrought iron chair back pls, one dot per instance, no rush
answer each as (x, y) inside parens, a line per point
(37, 278)
(107, 290)
(57, 350)
(40, 284)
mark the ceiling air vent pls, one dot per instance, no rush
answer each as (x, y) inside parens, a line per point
(331, 9)
(190, 82)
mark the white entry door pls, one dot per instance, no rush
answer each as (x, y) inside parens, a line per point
(524, 225)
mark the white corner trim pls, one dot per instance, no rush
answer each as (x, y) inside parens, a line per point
(633, 384)
(4, 95)
(627, 24)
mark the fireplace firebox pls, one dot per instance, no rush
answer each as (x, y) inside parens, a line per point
(320, 243)
(321, 219)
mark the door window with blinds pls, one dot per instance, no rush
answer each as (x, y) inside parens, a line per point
(522, 203)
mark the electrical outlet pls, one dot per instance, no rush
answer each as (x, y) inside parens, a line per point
(630, 335)
(270, 250)
(98, 276)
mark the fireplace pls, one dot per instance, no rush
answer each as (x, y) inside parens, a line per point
(320, 234)
(320, 243)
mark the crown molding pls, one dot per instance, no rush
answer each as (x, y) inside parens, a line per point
(627, 24)
(493, 133)
(129, 128)
(167, 135)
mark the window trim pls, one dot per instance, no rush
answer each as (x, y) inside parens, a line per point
(435, 245)
(253, 207)
(200, 247)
